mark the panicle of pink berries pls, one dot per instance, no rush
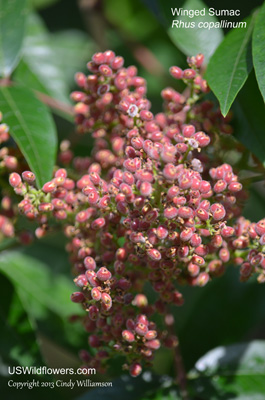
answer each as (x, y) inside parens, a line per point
(8, 163)
(150, 204)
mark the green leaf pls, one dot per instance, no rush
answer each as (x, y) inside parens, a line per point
(18, 344)
(7, 243)
(50, 250)
(42, 3)
(230, 65)
(237, 371)
(46, 294)
(13, 15)
(132, 18)
(249, 118)
(215, 324)
(32, 128)
(37, 285)
(194, 40)
(254, 209)
(38, 69)
(242, 358)
(259, 50)
(72, 49)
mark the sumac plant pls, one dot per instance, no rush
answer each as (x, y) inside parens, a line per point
(153, 204)
(136, 245)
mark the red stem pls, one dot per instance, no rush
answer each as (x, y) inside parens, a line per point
(178, 361)
(58, 105)
(181, 373)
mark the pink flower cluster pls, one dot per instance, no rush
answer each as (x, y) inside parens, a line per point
(150, 205)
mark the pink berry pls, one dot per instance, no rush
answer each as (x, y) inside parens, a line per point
(98, 58)
(109, 56)
(117, 62)
(106, 300)
(61, 173)
(177, 298)
(80, 79)
(161, 232)
(142, 319)
(195, 240)
(82, 216)
(193, 269)
(202, 139)
(135, 370)
(220, 186)
(202, 250)
(128, 336)
(218, 211)
(93, 197)
(58, 204)
(198, 260)
(105, 70)
(14, 179)
(216, 240)
(246, 269)
(186, 234)
(262, 240)
(140, 300)
(189, 73)
(94, 341)
(124, 284)
(90, 263)
(215, 266)
(141, 329)
(169, 172)
(93, 313)
(46, 207)
(81, 281)
(103, 274)
(28, 176)
(154, 254)
(227, 231)
(260, 227)
(153, 344)
(173, 192)
(176, 72)
(185, 212)
(202, 279)
(150, 335)
(188, 131)
(146, 189)
(235, 187)
(98, 223)
(77, 297)
(199, 58)
(224, 254)
(146, 115)
(170, 212)
(205, 187)
(49, 187)
(96, 294)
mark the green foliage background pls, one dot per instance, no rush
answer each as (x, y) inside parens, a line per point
(43, 43)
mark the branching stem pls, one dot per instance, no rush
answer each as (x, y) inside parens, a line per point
(179, 365)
